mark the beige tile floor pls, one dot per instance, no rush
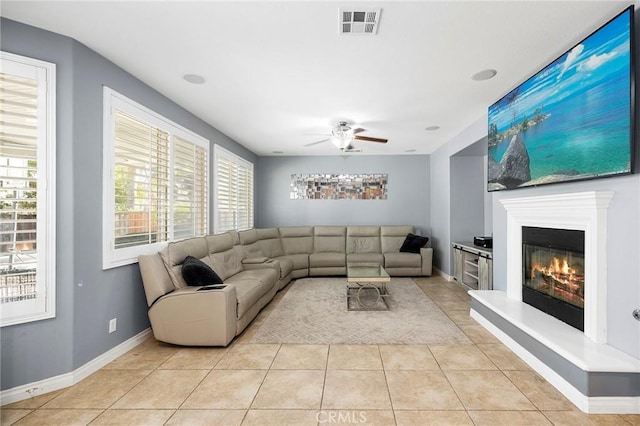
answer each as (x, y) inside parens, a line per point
(257, 384)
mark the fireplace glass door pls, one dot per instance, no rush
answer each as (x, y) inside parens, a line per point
(553, 272)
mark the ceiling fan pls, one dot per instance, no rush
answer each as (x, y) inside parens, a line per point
(342, 136)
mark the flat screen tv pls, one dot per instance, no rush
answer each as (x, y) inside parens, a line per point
(573, 120)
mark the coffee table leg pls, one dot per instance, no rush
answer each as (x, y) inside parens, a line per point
(355, 292)
(368, 287)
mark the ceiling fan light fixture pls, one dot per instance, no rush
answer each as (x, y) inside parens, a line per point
(341, 136)
(341, 140)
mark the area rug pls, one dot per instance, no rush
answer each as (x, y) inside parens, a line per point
(314, 311)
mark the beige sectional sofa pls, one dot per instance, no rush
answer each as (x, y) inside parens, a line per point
(254, 265)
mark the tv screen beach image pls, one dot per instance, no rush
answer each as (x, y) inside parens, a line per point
(570, 121)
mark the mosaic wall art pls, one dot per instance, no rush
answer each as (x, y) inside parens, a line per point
(329, 186)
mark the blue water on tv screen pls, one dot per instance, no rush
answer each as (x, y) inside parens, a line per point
(573, 119)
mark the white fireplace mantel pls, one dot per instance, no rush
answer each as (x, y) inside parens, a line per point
(584, 211)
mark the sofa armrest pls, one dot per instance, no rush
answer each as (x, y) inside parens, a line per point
(427, 260)
(269, 263)
(195, 318)
(155, 278)
(254, 260)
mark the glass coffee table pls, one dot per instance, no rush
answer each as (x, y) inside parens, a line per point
(367, 287)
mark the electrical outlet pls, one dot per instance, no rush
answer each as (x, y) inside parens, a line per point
(112, 325)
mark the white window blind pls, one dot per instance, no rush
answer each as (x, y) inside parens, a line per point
(233, 191)
(190, 189)
(27, 209)
(156, 181)
(141, 182)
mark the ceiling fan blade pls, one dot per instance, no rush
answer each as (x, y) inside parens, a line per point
(370, 139)
(358, 130)
(317, 142)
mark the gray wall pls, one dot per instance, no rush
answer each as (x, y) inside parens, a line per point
(407, 203)
(44, 349)
(442, 193)
(467, 197)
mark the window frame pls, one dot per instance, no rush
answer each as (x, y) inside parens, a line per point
(113, 100)
(44, 305)
(219, 151)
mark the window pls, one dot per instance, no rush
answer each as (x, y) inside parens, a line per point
(233, 191)
(27, 189)
(155, 182)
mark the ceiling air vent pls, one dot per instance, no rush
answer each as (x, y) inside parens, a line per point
(359, 21)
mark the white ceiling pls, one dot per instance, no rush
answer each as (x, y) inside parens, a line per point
(279, 74)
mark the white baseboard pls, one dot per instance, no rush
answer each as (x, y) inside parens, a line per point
(439, 272)
(590, 405)
(51, 384)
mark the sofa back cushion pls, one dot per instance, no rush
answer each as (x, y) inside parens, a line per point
(297, 239)
(224, 257)
(269, 239)
(250, 244)
(235, 237)
(392, 237)
(174, 254)
(363, 239)
(219, 242)
(227, 263)
(329, 239)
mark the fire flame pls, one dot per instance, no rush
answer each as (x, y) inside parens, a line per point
(558, 269)
(559, 280)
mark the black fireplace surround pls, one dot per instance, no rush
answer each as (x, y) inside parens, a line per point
(553, 272)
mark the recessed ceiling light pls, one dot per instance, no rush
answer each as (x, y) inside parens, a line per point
(194, 78)
(432, 128)
(484, 75)
(277, 152)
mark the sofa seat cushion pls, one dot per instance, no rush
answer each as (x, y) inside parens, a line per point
(402, 260)
(365, 258)
(328, 259)
(251, 286)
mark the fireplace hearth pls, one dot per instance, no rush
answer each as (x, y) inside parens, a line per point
(592, 374)
(553, 279)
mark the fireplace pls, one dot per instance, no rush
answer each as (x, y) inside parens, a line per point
(595, 376)
(553, 273)
(585, 211)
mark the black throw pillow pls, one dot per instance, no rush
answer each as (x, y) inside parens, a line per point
(197, 273)
(413, 243)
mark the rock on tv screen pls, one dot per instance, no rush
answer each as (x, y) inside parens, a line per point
(573, 120)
